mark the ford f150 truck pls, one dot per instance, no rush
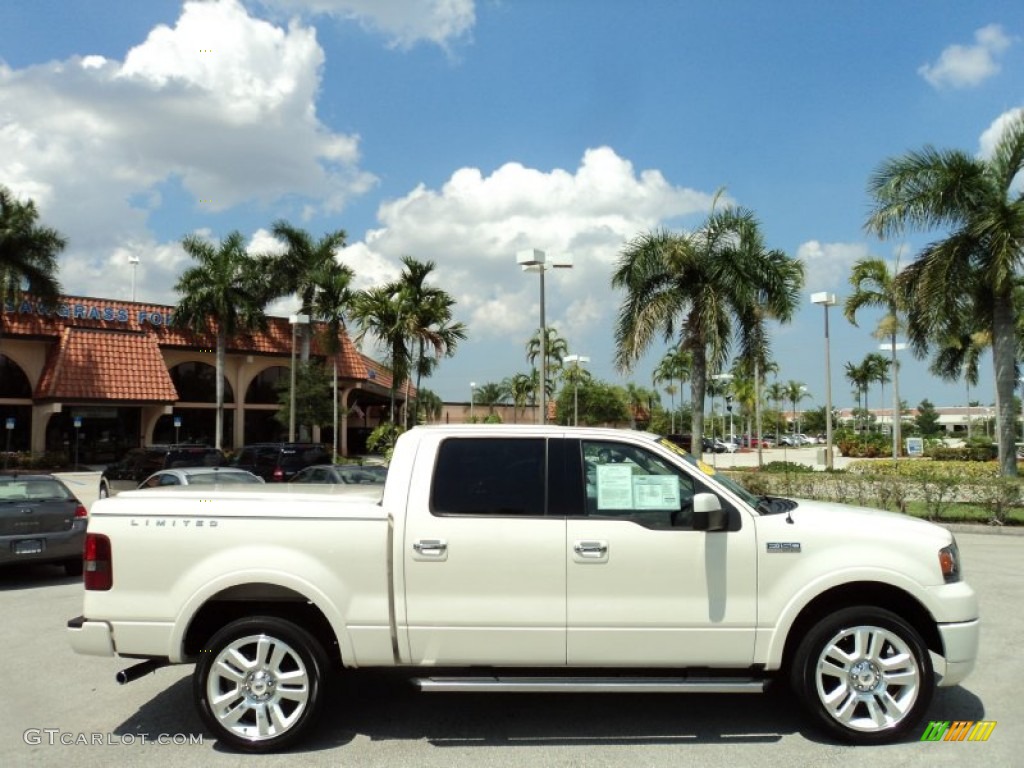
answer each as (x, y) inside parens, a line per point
(528, 559)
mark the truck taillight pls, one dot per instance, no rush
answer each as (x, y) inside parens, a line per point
(98, 564)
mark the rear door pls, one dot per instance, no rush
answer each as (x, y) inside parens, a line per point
(484, 555)
(644, 588)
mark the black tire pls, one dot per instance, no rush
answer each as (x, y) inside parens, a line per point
(73, 567)
(276, 694)
(864, 675)
(104, 491)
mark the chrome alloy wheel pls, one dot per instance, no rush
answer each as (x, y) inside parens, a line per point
(258, 687)
(867, 678)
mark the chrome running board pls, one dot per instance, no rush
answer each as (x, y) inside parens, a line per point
(515, 684)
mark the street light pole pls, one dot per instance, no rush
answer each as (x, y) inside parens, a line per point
(576, 360)
(827, 300)
(533, 260)
(472, 392)
(134, 261)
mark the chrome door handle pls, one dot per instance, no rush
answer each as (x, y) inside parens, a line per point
(430, 547)
(590, 548)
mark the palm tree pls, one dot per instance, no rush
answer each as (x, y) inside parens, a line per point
(518, 386)
(377, 313)
(555, 348)
(426, 315)
(703, 287)
(795, 392)
(296, 271)
(958, 358)
(861, 377)
(878, 370)
(971, 271)
(875, 286)
(430, 404)
(228, 287)
(490, 394)
(28, 253)
(332, 301)
(776, 392)
(674, 366)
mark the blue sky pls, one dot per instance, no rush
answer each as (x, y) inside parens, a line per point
(462, 131)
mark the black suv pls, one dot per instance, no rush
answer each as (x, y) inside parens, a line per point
(278, 462)
(140, 463)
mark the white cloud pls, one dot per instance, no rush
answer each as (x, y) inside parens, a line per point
(965, 66)
(404, 22)
(827, 265)
(987, 142)
(221, 104)
(474, 224)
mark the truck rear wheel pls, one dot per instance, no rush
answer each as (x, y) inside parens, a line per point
(258, 683)
(864, 675)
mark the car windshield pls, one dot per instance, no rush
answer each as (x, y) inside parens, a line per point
(33, 489)
(220, 478)
(707, 469)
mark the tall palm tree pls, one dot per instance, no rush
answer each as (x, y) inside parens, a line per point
(430, 404)
(674, 366)
(28, 253)
(227, 287)
(426, 316)
(776, 392)
(377, 312)
(878, 371)
(959, 357)
(795, 392)
(874, 285)
(702, 287)
(555, 350)
(297, 270)
(970, 271)
(332, 301)
(490, 395)
(860, 376)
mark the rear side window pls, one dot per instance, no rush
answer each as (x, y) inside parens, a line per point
(489, 476)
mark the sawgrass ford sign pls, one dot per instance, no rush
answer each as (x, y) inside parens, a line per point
(91, 312)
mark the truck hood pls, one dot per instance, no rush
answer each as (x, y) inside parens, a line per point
(863, 521)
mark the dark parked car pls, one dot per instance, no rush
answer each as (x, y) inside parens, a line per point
(140, 463)
(345, 474)
(278, 462)
(41, 521)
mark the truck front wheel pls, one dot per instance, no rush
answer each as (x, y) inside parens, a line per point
(864, 674)
(258, 683)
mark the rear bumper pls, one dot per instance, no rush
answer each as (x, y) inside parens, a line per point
(90, 638)
(960, 650)
(56, 546)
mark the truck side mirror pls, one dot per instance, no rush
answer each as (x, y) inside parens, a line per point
(708, 514)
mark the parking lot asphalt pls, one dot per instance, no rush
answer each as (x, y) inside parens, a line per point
(52, 695)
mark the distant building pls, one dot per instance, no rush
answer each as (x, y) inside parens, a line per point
(124, 374)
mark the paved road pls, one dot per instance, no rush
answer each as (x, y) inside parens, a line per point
(373, 721)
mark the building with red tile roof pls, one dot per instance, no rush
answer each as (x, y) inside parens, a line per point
(121, 374)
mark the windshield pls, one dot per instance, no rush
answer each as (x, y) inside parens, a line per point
(710, 471)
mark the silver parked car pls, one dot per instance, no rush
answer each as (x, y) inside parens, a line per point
(41, 521)
(342, 474)
(199, 476)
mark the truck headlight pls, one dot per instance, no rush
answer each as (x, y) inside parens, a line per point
(949, 562)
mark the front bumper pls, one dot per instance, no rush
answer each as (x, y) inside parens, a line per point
(960, 650)
(90, 638)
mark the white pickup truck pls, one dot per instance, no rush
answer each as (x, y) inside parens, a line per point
(528, 559)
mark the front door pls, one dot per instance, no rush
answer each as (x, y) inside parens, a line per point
(644, 588)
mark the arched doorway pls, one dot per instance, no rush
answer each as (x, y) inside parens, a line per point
(197, 409)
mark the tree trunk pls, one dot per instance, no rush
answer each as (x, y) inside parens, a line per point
(222, 343)
(698, 385)
(1003, 352)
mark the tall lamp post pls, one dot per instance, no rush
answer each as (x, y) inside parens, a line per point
(827, 300)
(722, 377)
(576, 360)
(532, 260)
(472, 393)
(134, 261)
(893, 347)
(295, 321)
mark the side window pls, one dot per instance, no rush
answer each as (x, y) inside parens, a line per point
(630, 483)
(489, 476)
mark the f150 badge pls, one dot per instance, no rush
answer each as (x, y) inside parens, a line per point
(783, 547)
